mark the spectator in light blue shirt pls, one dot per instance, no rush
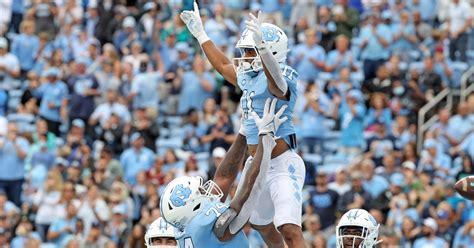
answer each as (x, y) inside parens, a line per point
(219, 28)
(341, 57)
(404, 36)
(373, 184)
(463, 238)
(64, 42)
(351, 116)
(272, 10)
(376, 39)
(25, 46)
(378, 111)
(427, 8)
(62, 228)
(13, 151)
(196, 86)
(144, 92)
(429, 238)
(466, 147)
(125, 36)
(308, 58)
(342, 84)
(314, 109)
(52, 95)
(432, 160)
(136, 158)
(462, 124)
(193, 131)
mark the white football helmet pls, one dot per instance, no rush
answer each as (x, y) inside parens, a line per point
(357, 229)
(277, 43)
(184, 197)
(160, 229)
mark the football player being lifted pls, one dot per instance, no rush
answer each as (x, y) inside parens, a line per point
(261, 73)
(196, 208)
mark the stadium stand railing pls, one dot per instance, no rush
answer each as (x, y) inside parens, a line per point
(445, 96)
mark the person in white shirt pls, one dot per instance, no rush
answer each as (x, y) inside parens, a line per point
(459, 26)
(340, 185)
(103, 112)
(93, 209)
(47, 201)
(9, 65)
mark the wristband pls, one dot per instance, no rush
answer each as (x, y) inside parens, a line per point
(202, 38)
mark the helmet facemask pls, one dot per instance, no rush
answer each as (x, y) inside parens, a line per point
(249, 61)
(356, 237)
(211, 190)
(167, 243)
(352, 236)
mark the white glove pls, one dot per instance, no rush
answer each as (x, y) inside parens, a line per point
(192, 19)
(270, 122)
(255, 26)
(242, 126)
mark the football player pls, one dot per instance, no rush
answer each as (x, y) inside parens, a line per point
(261, 73)
(196, 208)
(160, 234)
(357, 229)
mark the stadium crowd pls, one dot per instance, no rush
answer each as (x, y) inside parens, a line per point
(102, 102)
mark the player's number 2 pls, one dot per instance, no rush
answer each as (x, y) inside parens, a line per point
(247, 102)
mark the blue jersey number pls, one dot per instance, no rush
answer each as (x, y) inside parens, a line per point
(217, 210)
(188, 243)
(247, 103)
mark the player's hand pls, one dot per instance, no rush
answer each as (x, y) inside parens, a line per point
(255, 26)
(193, 21)
(242, 125)
(270, 121)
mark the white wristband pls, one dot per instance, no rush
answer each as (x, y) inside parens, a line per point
(202, 38)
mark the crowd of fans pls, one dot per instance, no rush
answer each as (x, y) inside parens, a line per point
(102, 102)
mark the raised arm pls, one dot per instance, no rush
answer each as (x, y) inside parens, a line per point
(219, 61)
(277, 84)
(254, 178)
(259, 164)
(229, 168)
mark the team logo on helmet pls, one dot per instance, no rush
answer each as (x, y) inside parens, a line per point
(180, 195)
(270, 34)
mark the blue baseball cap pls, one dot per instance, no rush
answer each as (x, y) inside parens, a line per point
(397, 179)
(429, 143)
(356, 94)
(135, 136)
(78, 123)
(81, 60)
(52, 72)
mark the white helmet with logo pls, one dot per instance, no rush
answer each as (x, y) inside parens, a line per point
(184, 197)
(160, 229)
(277, 43)
(357, 229)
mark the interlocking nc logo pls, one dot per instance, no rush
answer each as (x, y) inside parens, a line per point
(353, 215)
(179, 195)
(270, 34)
